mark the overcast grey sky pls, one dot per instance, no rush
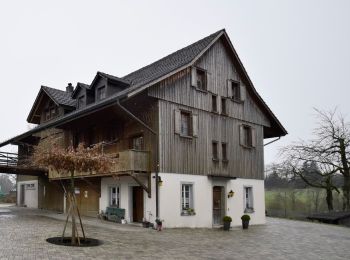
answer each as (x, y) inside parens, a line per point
(297, 53)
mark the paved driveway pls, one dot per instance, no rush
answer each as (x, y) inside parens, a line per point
(23, 233)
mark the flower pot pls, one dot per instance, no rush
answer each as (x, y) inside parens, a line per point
(227, 226)
(245, 224)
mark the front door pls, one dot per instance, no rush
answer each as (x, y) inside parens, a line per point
(217, 205)
(22, 195)
(137, 204)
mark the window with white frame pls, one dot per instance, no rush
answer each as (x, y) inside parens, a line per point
(186, 197)
(114, 196)
(248, 199)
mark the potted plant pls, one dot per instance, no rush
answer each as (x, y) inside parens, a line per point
(191, 212)
(145, 223)
(245, 221)
(159, 224)
(227, 222)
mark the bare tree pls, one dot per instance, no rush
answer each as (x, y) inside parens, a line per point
(329, 150)
(50, 155)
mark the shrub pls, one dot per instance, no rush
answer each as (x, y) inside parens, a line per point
(227, 219)
(245, 218)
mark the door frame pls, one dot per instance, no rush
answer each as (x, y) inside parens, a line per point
(131, 202)
(223, 203)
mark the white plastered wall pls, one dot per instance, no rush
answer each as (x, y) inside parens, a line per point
(30, 195)
(125, 185)
(170, 199)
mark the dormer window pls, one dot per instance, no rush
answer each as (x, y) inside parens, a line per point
(81, 101)
(101, 93)
(51, 111)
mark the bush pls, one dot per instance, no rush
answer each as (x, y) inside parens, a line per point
(227, 219)
(245, 218)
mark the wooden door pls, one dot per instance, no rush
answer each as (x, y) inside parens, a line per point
(218, 205)
(137, 204)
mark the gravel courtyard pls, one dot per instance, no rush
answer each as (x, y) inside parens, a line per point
(23, 233)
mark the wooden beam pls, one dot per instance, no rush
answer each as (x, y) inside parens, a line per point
(147, 189)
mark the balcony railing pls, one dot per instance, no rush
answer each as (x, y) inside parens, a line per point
(126, 161)
(8, 159)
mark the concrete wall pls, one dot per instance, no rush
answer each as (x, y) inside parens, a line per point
(170, 199)
(30, 193)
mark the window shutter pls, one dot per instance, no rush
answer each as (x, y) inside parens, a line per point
(194, 76)
(253, 137)
(177, 122)
(243, 92)
(195, 125)
(229, 88)
(241, 135)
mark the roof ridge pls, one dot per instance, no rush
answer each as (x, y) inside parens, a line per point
(173, 53)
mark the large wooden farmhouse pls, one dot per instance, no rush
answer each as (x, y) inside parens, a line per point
(187, 130)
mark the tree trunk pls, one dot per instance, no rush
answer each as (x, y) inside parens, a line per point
(74, 237)
(329, 199)
(346, 174)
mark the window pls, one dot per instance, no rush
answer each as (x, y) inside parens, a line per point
(236, 91)
(101, 93)
(137, 143)
(224, 152)
(51, 111)
(214, 105)
(248, 199)
(215, 150)
(199, 78)
(247, 136)
(81, 101)
(223, 106)
(114, 196)
(185, 124)
(186, 198)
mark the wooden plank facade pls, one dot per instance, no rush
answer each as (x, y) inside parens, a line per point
(194, 155)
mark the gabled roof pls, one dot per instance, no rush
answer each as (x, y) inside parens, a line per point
(171, 62)
(59, 97)
(148, 76)
(79, 86)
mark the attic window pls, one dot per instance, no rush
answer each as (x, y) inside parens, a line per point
(236, 92)
(199, 78)
(101, 93)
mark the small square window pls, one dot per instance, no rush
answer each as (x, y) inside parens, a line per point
(236, 91)
(223, 106)
(247, 136)
(215, 150)
(214, 105)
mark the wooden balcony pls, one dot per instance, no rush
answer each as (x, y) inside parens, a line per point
(126, 161)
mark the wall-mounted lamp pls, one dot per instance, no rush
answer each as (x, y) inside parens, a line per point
(230, 194)
(160, 181)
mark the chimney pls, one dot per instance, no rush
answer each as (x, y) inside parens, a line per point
(69, 88)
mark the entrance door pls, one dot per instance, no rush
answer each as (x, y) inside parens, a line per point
(137, 204)
(218, 205)
(22, 195)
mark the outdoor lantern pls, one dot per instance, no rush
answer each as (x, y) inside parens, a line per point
(230, 194)
(160, 182)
